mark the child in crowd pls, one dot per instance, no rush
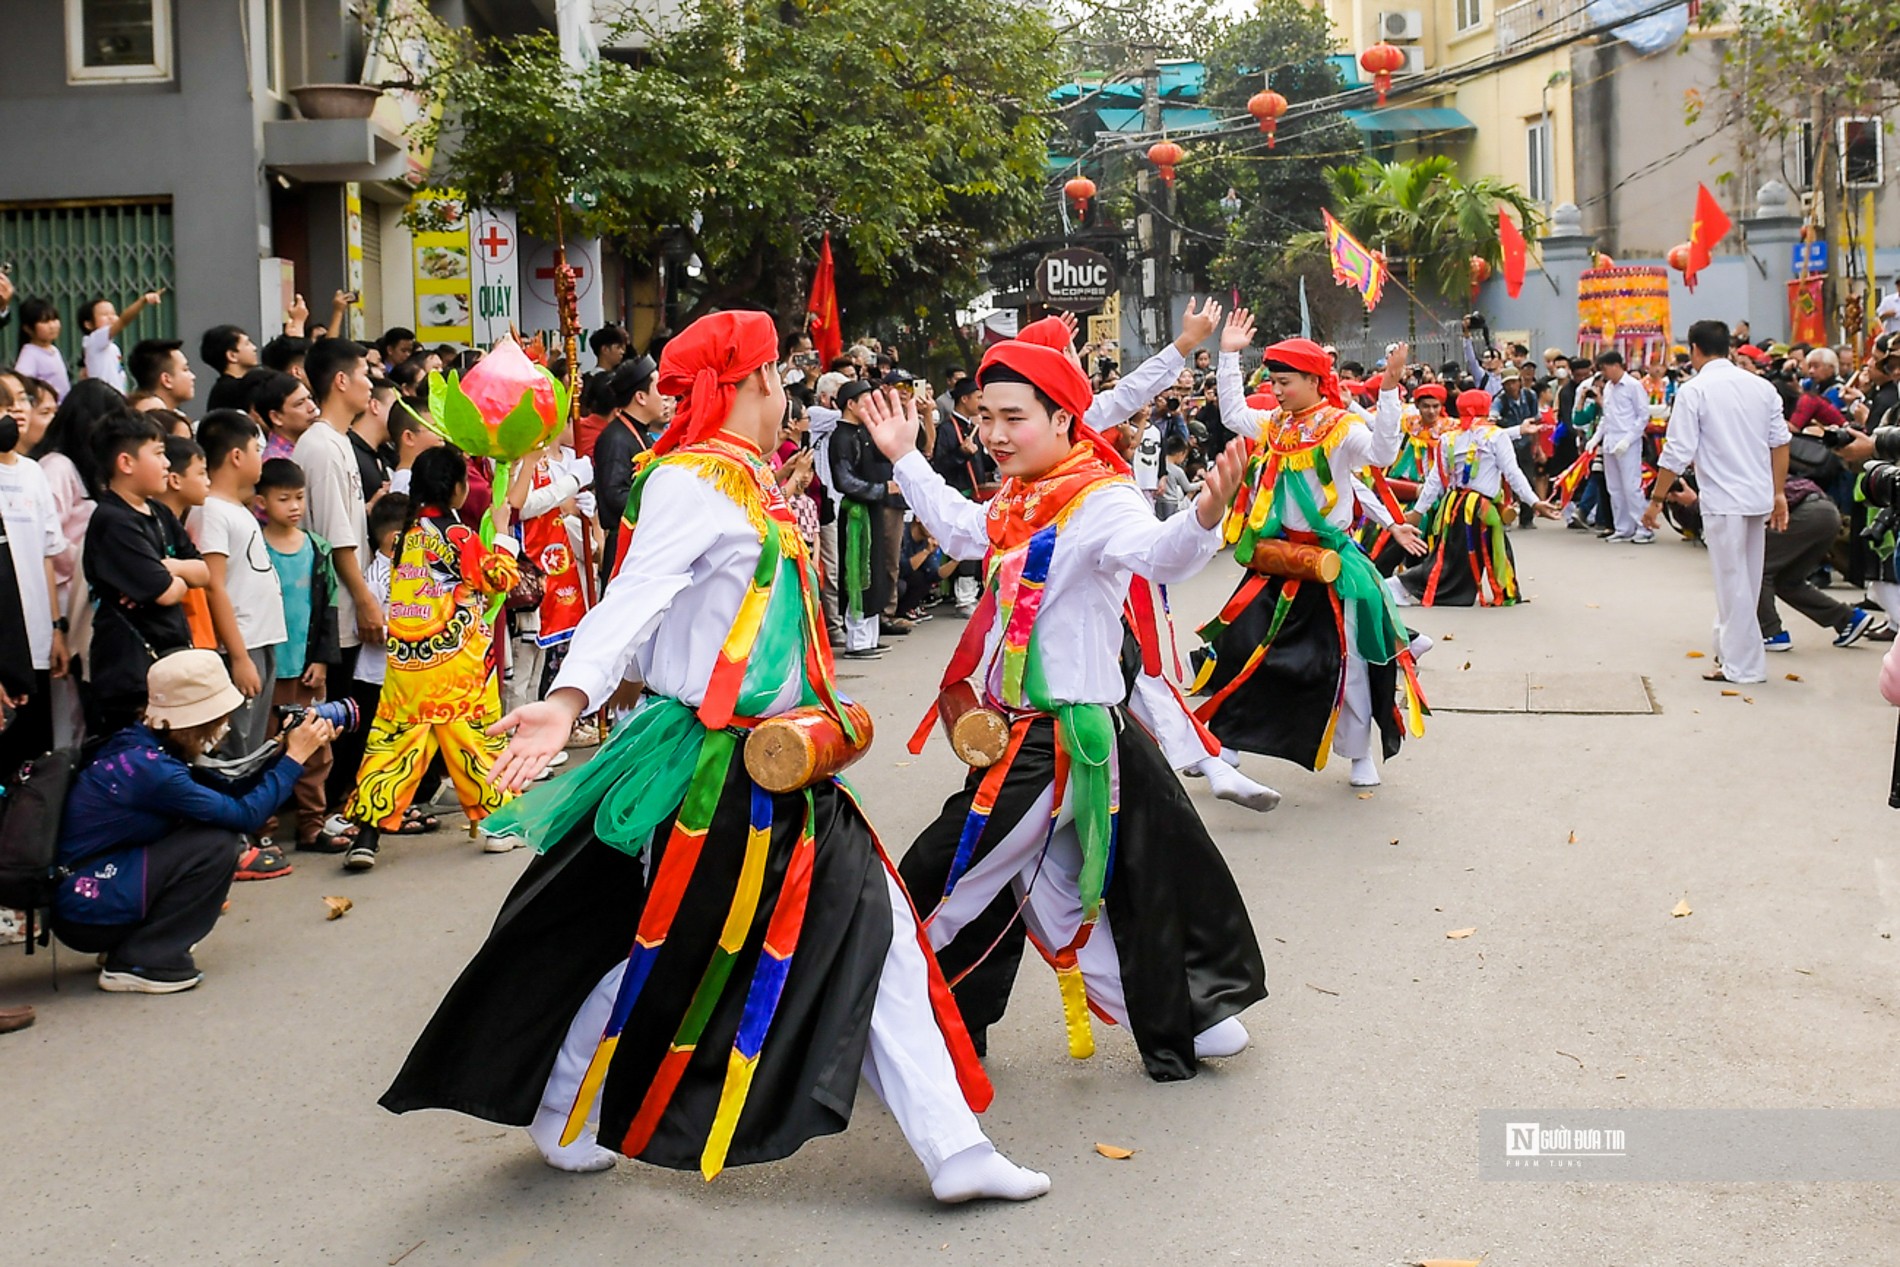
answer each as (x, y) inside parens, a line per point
(141, 566)
(39, 403)
(308, 584)
(443, 689)
(186, 488)
(39, 352)
(29, 595)
(247, 605)
(103, 324)
(1178, 488)
(923, 568)
(411, 439)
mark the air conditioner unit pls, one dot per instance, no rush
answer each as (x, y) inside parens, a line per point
(1414, 61)
(1402, 24)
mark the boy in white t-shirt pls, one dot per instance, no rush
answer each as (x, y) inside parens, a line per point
(246, 601)
(1147, 457)
(103, 324)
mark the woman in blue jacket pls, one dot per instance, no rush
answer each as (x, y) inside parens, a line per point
(149, 843)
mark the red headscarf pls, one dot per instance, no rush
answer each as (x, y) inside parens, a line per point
(1056, 375)
(1434, 390)
(1308, 357)
(703, 366)
(1473, 405)
(1050, 332)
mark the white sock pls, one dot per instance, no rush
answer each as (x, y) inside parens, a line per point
(1231, 757)
(1401, 597)
(979, 1172)
(1365, 772)
(1231, 785)
(1227, 1038)
(1421, 643)
(582, 1155)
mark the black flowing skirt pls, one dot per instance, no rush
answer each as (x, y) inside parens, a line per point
(1189, 958)
(1470, 563)
(1286, 706)
(489, 1048)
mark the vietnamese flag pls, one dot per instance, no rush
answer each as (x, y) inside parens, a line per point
(1513, 244)
(821, 313)
(1711, 225)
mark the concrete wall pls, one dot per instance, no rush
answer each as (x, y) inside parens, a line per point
(194, 139)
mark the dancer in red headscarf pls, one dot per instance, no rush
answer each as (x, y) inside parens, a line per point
(1309, 654)
(1078, 822)
(775, 955)
(1469, 562)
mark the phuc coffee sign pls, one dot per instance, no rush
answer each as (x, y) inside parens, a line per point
(1075, 280)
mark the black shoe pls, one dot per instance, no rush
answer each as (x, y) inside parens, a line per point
(867, 653)
(148, 980)
(894, 628)
(362, 854)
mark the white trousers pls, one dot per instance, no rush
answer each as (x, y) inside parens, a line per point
(1054, 909)
(1886, 593)
(828, 565)
(1160, 710)
(1735, 546)
(1623, 474)
(906, 1063)
(860, 632)
(527, 661)
(1352, 734)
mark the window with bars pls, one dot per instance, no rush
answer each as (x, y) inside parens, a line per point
(72, 253)
(118, 41)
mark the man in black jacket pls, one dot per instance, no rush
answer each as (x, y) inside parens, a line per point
(637, 411)
(869, 528)
(959, 455)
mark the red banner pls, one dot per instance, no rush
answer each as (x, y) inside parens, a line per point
(827, 326)
(1807, 312)
(1512, 242)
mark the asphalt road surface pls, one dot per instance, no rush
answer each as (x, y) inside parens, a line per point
(238, 1123)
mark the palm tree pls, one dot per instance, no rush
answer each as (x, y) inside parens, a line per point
(1423, 218)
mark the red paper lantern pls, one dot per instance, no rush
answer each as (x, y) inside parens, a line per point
(1267, 107)
(1480, 273)
(1680, 256)
(1079, 191)
(1381, 61)
(1164, 155)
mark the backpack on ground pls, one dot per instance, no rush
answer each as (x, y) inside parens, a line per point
(31, 811)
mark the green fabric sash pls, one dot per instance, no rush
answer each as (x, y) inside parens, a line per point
(857, 555)
(1375, 621)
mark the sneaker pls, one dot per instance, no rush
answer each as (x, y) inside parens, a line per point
(1642, 538)
(260, 863)
(1617, 536)
(148, 980)
(898, 627)
(362, 854)
(1863, 623)
(868, 653)
(1783, 641)
(558, 760)
(1577, 525)
(500, 842)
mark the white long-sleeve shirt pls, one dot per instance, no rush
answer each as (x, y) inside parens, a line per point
(1495, 466)
(1113, 535)
(667, 612)
(1136, 388)
(1377, 445)
(1728, 422)
(1625, 411)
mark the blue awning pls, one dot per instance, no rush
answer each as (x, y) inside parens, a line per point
(1173, 119)
(1410, 120)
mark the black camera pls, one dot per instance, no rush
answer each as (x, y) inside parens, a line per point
(1886, 444)
(341, 713)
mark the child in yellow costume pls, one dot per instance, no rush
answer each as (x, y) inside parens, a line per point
(441, 690)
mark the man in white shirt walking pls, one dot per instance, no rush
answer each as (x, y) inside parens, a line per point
(1728, 423)
(1620, 436)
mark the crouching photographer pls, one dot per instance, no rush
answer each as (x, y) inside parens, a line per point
(150, 838)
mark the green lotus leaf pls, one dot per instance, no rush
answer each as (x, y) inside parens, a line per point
(521, 432)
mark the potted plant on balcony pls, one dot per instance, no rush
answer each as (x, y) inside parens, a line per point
(336, 101)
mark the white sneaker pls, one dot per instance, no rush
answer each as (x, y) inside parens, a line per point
(558, 760)
(1641, 538)
(500, 842)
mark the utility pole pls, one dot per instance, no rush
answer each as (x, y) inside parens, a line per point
(1161, 236)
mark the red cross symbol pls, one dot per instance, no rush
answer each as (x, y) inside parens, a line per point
(547, 274)
(493, 240)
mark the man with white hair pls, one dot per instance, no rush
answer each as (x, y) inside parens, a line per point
(822, 418)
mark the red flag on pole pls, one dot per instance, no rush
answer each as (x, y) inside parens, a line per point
(821, 313)
(1711, 225)
(1513, 243)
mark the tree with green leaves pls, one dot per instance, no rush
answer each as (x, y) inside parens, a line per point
(1428, 223)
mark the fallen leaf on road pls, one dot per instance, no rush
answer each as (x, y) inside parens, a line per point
(902, 764)
(1748, 699)
(338, 907)
(1792, 677)
(1458, 934)
(1806, 972)
(1365, 796)
(1593, 604)
(1573, 837)
(1448, 637)
(1467, 665)
(1695, 655)
(1393, 841)
(1731, 692)
(1680, 909)
(1113, 1153)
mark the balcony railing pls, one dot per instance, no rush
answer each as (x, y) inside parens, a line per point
(1535, 22)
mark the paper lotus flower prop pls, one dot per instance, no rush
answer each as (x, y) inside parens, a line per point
(503, 409)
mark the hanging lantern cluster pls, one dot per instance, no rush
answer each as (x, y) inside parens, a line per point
(1382, 61)
(1267, 107)
(1164, 155)
(1079, 190)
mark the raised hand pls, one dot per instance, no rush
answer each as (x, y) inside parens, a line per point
(1395, 362)
(1069, 323)
(1222, 481)
(1238, 334)
(1196, 326)
(891, 418)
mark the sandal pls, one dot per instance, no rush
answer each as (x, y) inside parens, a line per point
(339, 826)
(417, 822)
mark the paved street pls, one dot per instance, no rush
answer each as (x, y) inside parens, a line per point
(237, 1123)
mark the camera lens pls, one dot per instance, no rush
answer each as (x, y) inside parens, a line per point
(1887, 443)
(1880, 484)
